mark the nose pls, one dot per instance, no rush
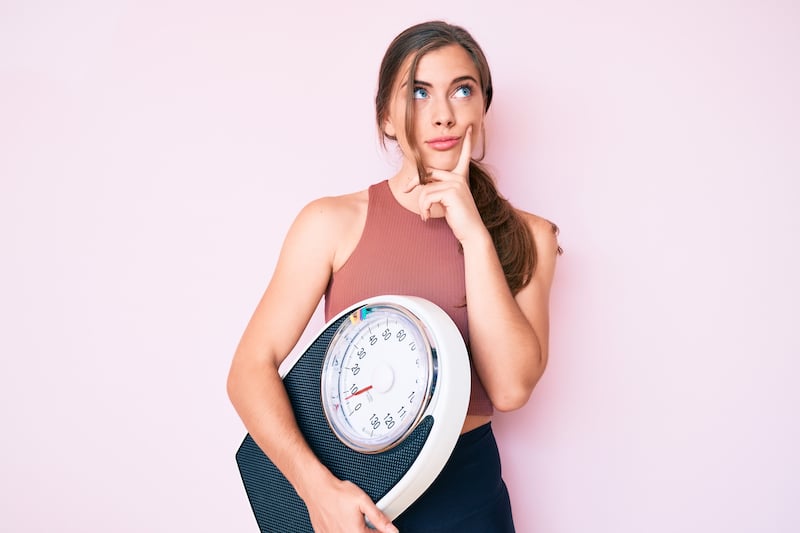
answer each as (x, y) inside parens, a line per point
(443, 115)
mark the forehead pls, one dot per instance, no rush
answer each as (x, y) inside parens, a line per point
(441, 66)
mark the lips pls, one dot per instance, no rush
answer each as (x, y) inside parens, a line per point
(443, 143)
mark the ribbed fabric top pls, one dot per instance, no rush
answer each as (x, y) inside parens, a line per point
(398, 253)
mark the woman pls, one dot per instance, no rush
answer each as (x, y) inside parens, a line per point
(437, 229)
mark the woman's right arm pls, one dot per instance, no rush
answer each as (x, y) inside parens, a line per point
(256, 389)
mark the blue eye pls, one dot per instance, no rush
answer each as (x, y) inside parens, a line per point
(420, 93)
(463, 91)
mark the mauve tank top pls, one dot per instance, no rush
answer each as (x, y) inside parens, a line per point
(398, 253)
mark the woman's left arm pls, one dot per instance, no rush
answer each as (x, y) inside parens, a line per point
(509, 334)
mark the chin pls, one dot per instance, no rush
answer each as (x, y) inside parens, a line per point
(442, 161)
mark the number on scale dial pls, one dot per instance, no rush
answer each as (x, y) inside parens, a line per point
(377, 377)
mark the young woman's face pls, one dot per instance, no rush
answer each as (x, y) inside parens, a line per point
(447, 99)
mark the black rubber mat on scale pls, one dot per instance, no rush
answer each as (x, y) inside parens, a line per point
(276, 505)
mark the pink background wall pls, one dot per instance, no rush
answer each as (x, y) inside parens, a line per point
(153, 154)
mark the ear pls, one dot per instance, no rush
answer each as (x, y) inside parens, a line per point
(388, 129)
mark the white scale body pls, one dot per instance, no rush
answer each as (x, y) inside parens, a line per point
(392, 362)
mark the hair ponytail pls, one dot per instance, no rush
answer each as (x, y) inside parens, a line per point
(511, 235)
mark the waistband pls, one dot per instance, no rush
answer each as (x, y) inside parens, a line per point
(474, 435)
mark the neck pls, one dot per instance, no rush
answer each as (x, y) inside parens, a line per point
(401, 186)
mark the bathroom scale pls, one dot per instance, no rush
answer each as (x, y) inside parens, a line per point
(380, 395)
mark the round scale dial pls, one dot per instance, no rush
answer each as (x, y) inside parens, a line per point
(377, 377)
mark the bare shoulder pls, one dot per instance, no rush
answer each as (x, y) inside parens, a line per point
(336, 223)
(545, 234)
(335, 210)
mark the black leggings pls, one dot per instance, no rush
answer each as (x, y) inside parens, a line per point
(468, 495)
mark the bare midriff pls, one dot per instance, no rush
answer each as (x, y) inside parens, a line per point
(474, 421)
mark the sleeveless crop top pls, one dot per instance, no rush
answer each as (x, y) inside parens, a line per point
(398, 253)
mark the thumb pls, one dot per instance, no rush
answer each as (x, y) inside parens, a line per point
(376, 519)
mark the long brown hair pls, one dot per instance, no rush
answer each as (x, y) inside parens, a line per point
(510, 233)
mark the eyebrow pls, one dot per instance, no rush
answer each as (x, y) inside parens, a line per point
(454, 82)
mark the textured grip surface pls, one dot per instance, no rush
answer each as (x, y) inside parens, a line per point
(276, 505)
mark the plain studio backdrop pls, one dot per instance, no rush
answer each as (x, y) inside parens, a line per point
(154, 153)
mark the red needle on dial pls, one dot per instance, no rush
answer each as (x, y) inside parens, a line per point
(356, 393)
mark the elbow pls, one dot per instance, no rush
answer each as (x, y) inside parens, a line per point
(246, 376)
(511, 400)
(235, 384)
(231, 384)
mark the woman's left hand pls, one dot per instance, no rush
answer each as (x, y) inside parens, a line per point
(450, 190)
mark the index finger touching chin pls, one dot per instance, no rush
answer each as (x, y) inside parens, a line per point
(462, 167)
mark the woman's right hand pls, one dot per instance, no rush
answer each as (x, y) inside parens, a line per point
(341, 506)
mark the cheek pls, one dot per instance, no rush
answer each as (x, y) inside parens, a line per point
(470, 112)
